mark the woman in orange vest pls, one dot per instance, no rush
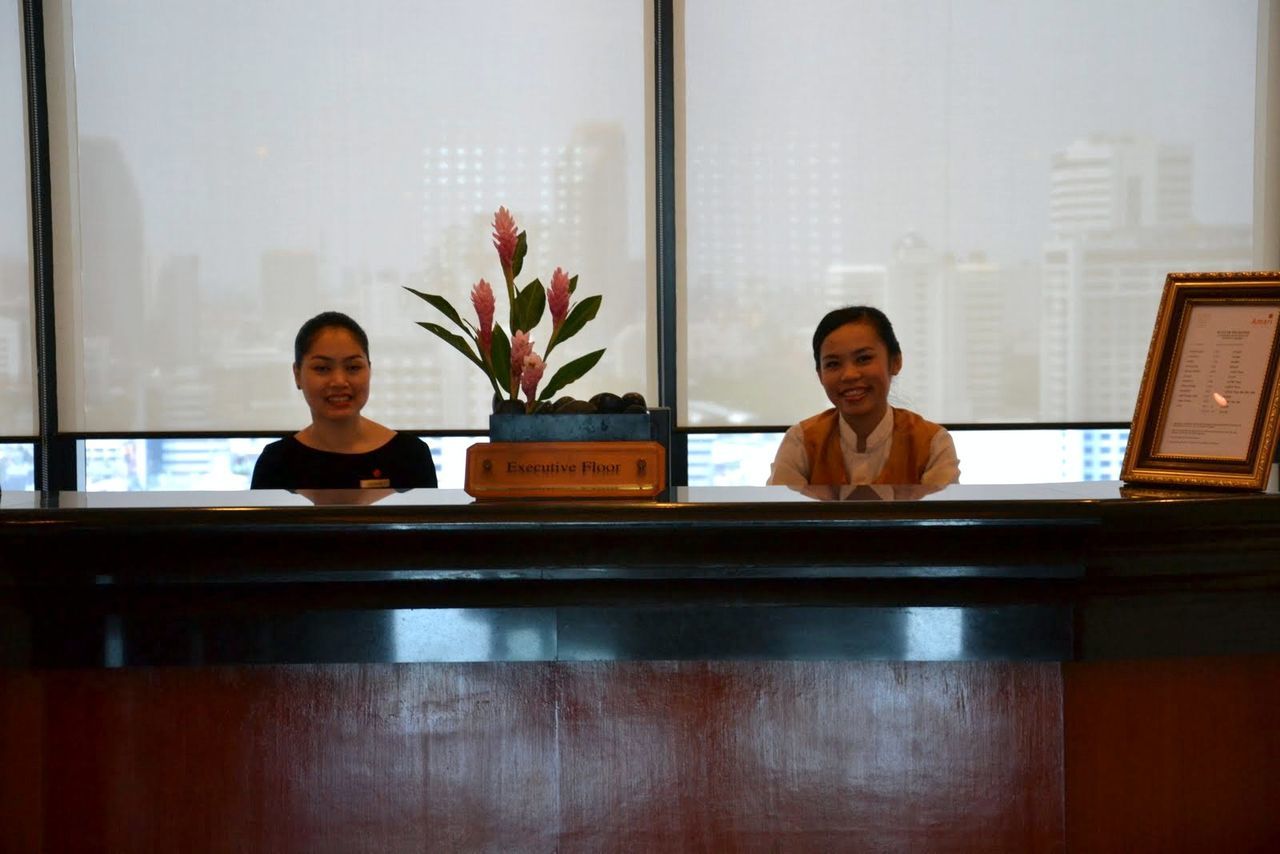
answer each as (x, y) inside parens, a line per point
(862, 439)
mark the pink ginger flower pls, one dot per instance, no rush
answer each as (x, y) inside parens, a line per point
(521, 347)
(531, 375)
(505, 237)
(558, 297)
(482, 299)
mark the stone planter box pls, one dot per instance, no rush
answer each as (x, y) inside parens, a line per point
(577, 427)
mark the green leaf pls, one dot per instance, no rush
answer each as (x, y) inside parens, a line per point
(500, 356)
(570, 372)
(573, 284)
(456, 341)
(441, 304)
(517, 260)
(530, 303)
(578, 317)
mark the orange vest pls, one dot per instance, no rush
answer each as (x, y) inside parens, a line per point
(908, 453)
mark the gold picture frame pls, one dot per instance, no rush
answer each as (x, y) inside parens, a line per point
(1209, 402)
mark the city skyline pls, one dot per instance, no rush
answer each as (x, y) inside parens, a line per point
(270, 193)
(960, 355)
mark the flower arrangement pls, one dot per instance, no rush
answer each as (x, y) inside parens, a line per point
(512, 365)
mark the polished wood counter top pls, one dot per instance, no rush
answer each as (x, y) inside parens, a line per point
(1029, 668)
(1041, 571)
(769, 530)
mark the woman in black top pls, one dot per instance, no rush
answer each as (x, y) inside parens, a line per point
(340, 449)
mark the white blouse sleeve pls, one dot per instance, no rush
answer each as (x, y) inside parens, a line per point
(943, 466)
(791, 464)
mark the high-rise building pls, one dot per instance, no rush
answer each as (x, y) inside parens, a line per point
(1102, 453)
(856, 284)
(111, 313)
(753, 244)
(589, 240)
(173, 316)
(1106, 184)
(590, 187)
(12, 355)
(1102, 293)
(16, 380)
(1120, 213)
(568, 197)
(466, 177)
(917, 306)
(976, 334)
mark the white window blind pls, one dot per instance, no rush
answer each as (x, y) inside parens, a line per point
(236, 168)
(17, 339)
(1009, 181)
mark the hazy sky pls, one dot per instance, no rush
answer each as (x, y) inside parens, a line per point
(302, 124)
(246, 129)
(957, 107)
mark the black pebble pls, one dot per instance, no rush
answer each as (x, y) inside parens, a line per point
(608, 402)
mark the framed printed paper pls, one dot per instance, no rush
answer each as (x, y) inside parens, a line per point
(1207, 409)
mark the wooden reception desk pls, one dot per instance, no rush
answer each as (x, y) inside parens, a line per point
(1021, 668)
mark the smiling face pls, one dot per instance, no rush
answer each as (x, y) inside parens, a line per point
(855, 369)
(334, 375)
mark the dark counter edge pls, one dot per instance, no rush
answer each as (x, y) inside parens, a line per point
(1067, 580)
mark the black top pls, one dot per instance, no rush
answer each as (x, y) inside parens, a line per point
(404, 462)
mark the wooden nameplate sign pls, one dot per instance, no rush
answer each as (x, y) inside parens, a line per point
(635, 470)
(563, 455)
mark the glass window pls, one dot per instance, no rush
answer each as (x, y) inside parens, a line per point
(17, 327)
(1010, 182)
(180, 464)
(177, 464)
(986, 456)
(17, 467)
(238, 168)
(731, 459)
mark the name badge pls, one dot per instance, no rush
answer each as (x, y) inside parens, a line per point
(375, 483)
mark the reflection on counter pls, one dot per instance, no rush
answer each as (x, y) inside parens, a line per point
(1096, 490)
(573, 633)
(867, 492)
(1086, 491)
(345, 497)
(1145, 490)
